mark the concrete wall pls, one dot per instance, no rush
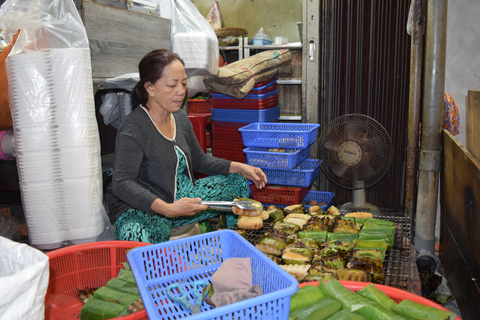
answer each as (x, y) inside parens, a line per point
(463, 55)
(277, 17)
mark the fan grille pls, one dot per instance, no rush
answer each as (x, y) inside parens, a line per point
(356, 151)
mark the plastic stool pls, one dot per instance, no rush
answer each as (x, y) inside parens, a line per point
(200, 121)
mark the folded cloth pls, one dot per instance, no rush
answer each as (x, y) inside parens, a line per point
(232, 282)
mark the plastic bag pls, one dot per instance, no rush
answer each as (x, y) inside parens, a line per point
(194, 40)
(56, 133)
(114, 108)
(24, 274)
(5, 115)
(213, 17)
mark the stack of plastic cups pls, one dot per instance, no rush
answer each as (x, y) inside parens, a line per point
(57, 145)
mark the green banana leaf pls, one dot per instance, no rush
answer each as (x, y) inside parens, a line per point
(95, 309)
(122, 285)
(126, 275)
(375, 311)
(417, 310)
(374, 221)
(381, 244)
(376, 295)
(377, 236)
(331, 236)
(348, 298)
(125, 299)
(346, 315)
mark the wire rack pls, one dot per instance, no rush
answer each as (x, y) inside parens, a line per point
(396, 266)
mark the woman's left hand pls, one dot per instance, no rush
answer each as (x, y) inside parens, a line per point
(256, 175)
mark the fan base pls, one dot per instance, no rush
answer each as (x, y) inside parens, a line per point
(364, 207)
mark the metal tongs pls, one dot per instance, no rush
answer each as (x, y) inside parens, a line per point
(220, 205)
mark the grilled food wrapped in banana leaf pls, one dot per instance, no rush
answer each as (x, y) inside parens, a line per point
(374, 294)
(285, 226)
(377, 236)
(331, 258)
(372, 266)
(275, 259)
(319, 277)
(275, 212)
(315, 210)
(342, 237)
(417, 310)
(286, 237)
(379, 244)
(306, 243)
(319, 223)
(271, 246)
(374, 311)
(296, 208)
(332, 210)
(299, 271)
(297, 218)
(348, 298)
(374, 254)
(320, 236)
(353, 275)
(346, 226)
(341, 245)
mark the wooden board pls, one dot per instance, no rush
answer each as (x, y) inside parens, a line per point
(119, 38)
(460, 225)
(473, 122)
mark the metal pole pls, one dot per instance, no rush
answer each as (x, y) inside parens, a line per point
(432, 119)
(416, 63)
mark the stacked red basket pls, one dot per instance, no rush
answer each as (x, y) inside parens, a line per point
(230, 114)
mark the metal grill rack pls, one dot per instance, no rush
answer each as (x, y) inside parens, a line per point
(396, 266)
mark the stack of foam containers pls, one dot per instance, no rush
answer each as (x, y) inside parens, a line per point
(230, 114)
(57, 146)
(282, 151)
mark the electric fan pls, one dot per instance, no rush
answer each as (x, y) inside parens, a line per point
(355, 152)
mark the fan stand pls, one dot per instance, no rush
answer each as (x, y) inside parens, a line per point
(358, 204)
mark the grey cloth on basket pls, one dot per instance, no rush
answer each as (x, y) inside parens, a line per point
(232, 282)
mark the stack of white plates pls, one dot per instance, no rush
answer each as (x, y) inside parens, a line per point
(57, 146)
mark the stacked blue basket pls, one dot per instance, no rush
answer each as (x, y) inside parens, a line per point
(282, 150)
(229, 114)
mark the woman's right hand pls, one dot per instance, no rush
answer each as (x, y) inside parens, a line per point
(180, 208)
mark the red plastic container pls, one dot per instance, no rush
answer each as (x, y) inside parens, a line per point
(199, 106)
(252, 104)
(227, 131)
(81, 266)
(279, 194)
(396, 294)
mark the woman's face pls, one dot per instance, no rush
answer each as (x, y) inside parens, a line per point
(169, 91)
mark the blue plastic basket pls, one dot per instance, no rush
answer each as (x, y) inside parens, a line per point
(265, 86)
(261, 157)
(279, 135)
(187, 260)
(245, 115)
(302, 175)
(319, 196)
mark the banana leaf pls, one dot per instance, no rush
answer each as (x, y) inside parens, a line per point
(375, 311)
(321, 310)
(417, 310)
(376, 295)
(126, 275)
(341, 236)
(122, 285)
(348, 298)
(304, 297)
(361, 221)
(378, 228)
(346, 315)
(381, 244)
(320, 236)
(353, 275)
(377, 236)
(95, 309)
(123, 298)
(371, 253)
(373, 221)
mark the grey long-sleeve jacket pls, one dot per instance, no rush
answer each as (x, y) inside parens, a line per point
(145, 166)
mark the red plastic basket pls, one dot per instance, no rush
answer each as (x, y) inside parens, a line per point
(227, 131)
(199, 106)
(259, 104)
(396, 294)
(279, 194)
(81, 266)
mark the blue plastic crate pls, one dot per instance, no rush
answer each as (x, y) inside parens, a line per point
(245, 115)
(250, 96)
(279, 135)
(261, 157)
(265, 86)
(319, 196)
(187, 260)
(302, 175)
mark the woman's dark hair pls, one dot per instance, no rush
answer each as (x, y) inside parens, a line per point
(151, 69)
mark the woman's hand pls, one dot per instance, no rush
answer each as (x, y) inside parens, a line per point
(180, 208)
(254, 174)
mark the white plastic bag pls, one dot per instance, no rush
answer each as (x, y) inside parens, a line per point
(24, 275)
(214, 18)
(56, 134)
(195, 41)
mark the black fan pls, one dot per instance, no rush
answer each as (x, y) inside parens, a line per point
(355, 152)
